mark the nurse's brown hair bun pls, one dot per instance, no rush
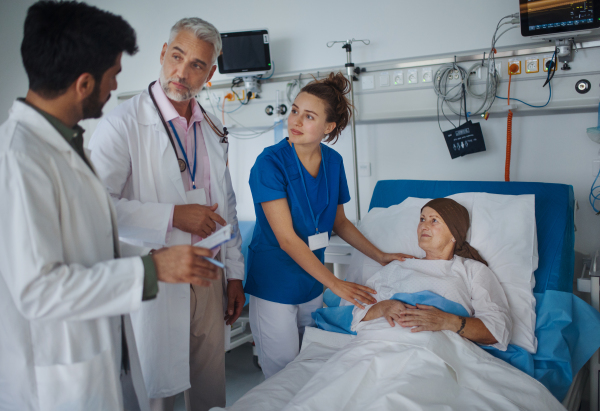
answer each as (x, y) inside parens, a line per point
(333, 90)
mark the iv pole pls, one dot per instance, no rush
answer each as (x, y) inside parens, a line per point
(351, 77)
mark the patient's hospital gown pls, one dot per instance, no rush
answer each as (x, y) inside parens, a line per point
(462, 280)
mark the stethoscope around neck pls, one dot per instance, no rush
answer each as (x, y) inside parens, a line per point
(221, 134)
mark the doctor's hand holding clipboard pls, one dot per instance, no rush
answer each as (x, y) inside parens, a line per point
(192, 264)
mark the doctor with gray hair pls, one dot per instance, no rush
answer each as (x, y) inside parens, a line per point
(163, 159)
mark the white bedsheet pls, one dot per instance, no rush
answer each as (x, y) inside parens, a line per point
(386, 368)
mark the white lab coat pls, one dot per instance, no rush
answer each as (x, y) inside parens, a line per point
(61, 290)
(135, 159)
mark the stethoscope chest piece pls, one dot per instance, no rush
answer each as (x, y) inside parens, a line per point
(182, 165)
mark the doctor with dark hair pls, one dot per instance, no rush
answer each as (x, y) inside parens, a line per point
(66, 342)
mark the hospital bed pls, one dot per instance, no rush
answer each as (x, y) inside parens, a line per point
(568, 330)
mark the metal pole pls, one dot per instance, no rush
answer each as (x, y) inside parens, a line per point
(350, 73)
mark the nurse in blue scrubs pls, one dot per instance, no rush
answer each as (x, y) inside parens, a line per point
(299, 188)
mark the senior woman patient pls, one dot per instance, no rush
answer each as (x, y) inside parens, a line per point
(452, 269)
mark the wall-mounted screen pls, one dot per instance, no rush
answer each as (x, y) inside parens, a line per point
(551, 17)
(245, 52)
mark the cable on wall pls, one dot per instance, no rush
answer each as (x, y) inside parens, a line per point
(448, 93)
(491, 87)
(248, 134)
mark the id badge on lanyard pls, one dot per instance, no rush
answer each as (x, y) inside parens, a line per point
(197, 196)
(318, 240)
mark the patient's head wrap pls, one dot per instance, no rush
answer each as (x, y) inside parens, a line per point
(456, 218)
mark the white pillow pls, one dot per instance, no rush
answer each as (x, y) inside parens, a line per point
(504, 233)
(502, 230)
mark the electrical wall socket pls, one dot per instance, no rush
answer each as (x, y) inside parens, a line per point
(398, 78)
(532, 65)
(427, 75)
(413, 76)
(547, 58)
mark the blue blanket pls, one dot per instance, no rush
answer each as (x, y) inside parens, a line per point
(567, 329)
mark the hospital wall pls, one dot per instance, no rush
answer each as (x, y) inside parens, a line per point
(546, 147)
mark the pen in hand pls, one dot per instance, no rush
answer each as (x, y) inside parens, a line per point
(215, 262)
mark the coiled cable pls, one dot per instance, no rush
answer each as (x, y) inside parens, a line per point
(513, 68)
(448, 93)
(508, 145)
(491, 87)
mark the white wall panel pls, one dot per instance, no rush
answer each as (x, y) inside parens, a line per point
(549, 147)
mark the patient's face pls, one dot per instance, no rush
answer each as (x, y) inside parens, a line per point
(434, 235)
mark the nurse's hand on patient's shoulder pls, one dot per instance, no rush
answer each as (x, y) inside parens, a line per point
(235, 301)
(185, 264)
(197, 219)
(352, 292)
(386, 258)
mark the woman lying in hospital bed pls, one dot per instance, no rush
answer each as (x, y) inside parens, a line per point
(452, 269)
(401, 367)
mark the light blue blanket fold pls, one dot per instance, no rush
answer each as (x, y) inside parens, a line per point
(567, 329)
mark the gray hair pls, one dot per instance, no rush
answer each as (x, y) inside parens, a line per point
(202, 29)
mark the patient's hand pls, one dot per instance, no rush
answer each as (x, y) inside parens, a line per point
(389, 309)
(386, 258)
(428, 318)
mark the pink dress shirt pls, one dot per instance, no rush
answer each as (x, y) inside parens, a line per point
(185, 131)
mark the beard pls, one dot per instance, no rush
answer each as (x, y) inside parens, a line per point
(177, 95)
(92, 106)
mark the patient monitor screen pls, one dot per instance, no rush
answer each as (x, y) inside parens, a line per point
(539, 17)
(245, 52)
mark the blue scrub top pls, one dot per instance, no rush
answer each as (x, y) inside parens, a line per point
(272, 274)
